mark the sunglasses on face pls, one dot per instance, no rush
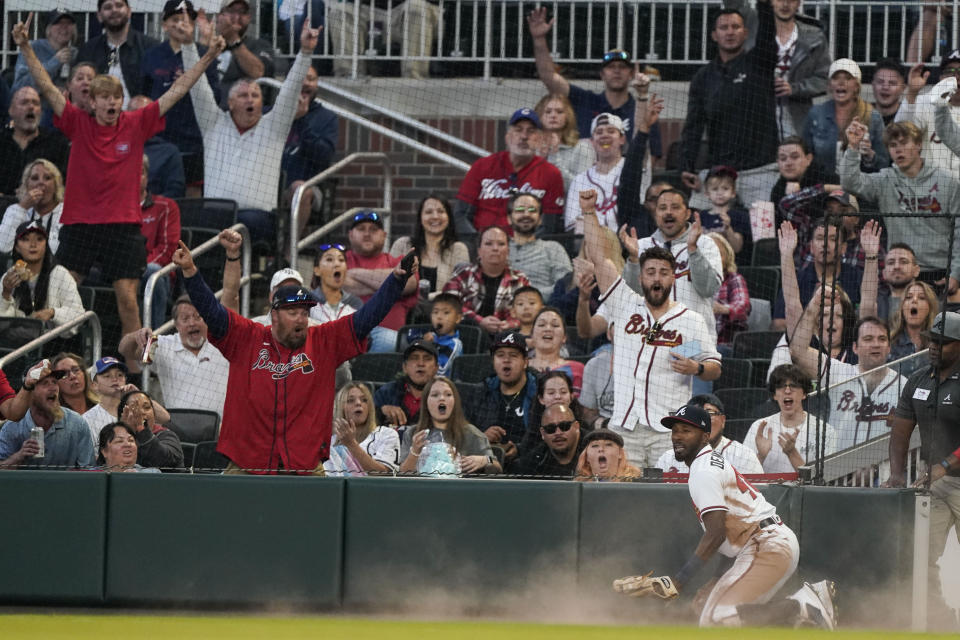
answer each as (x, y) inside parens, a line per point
(550, 429)
(530, 209)
(59, 375)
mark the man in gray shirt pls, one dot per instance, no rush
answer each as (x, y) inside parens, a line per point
(543, 261)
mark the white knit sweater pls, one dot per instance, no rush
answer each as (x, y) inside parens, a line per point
(244, 166)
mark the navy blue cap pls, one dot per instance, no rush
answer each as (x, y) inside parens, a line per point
(526, 114)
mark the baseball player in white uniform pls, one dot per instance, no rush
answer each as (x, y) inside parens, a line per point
(743, 459)
(739, 523)
(658, 344)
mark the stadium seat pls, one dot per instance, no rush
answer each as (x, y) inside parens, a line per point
(744, 402)
(189, 451)
(16, 332)
(215, 214)
(469, 390)
(760, 368)
(194, 425)
(766, 253)
(206, 458)
(472, 368)
(737, 372)
(760, 317)
(736, 429)
(762, 282)
(755, 344)
(378, 367)
(471, 336)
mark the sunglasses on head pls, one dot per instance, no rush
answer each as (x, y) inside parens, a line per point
(293, 300)
(550, 429)
(613, 56)
(335, 245)
(366, 216)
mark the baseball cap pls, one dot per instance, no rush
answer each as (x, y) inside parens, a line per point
(367, 216)
(173, 7)
(688, 414)
(105, 364)
(845, 198)
(953, 56)
(31, 226)
(285, 274)
(56, 15)
(227, 3)
(845, 64)
(293, 295)
(603, 434)
(722, 171)
(513, 339)
(608, 119)
(420, 345)
(945, 327)
(526, 113)
(615, 55)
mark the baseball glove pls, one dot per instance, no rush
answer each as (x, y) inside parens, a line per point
(642, 586)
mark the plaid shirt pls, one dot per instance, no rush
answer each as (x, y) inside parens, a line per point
(467, 282)
(733, 293)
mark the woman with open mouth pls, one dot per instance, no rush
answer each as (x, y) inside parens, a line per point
(548, 339)
(39, 197)
(359, 446)
(329, 274)
(117, 450)
(917, 312)
(443, 421)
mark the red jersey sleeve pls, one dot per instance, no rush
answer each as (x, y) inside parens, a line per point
(470, 187)
(67, 121)
(337, 339)
(553, 198)
(241, 333)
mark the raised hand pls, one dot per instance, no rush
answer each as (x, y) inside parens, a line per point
(205, 27)
(787, 239)
(217, 46)
(183, 259)
(640, 82)
(588, 201)
(870, 238)
(654, 108)
(856, 132)
(630, 241)
(538, 24)
(763, 441)
(309, 37)
(696, 229)
(231, 241)
(21, 32)
(346, 432)
(917, 79)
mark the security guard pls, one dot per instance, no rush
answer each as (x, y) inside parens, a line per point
(931, 398)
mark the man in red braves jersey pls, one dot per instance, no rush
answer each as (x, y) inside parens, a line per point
(485, 190)
(659, 344)
(101, 212)
(278, 412)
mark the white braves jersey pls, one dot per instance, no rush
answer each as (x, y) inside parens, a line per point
(382, 444)
(715, 485)
(743, 459)
(646, 388)
(858, 414)
(605, 184)
(683, 289)
(777, 461)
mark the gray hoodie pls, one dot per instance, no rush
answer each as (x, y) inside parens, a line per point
(933, 193)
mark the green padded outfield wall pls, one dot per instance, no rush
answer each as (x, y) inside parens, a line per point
(509, 548)
(52, 532)
(220, 540)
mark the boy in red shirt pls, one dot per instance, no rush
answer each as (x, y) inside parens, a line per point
(101, 214)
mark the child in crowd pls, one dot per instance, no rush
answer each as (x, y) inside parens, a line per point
(446, 312)
(724, 216)
(527, 302)
(731, 306)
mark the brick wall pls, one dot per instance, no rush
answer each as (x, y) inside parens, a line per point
(416, 174)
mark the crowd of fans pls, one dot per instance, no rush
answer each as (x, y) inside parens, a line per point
(565, 235)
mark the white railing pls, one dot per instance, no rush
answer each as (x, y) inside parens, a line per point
(88, 317)
(487, 32)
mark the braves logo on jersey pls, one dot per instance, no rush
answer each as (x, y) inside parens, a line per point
(655, 336)
(866, 410)
(300, 362)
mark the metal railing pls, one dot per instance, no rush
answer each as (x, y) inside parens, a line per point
(246, 252)
(88, 317)
(486, 32)
(295, 245)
